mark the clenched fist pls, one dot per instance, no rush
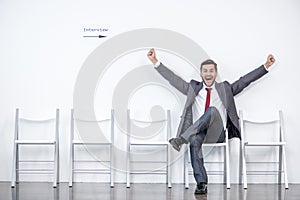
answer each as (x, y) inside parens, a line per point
(152, 56)
(270, 61)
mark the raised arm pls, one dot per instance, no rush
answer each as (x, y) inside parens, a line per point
(175, 80)
(252, 76)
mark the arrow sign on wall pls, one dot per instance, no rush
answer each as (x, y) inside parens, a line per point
(94, 36)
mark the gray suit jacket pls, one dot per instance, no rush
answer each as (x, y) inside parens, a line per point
(225, 90)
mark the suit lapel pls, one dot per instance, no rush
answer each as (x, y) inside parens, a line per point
(194, 90)
(198, 87)
(221, 92)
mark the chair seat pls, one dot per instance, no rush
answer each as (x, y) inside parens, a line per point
(35, 142)
(265, 144)
(149, 143)
(80, 142)
(214, 144)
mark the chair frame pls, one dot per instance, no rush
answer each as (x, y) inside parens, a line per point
(74, 143)
(165, 144)
(226, 162)
(282, 168)
(16, 171)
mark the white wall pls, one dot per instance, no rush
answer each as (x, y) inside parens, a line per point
(43, 49)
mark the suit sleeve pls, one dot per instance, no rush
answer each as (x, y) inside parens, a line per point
(245, 80)
(173, 79)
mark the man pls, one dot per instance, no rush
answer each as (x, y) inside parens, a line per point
(209, 109)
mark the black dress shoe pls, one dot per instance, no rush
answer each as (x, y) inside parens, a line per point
(201, 188)
(176, 143)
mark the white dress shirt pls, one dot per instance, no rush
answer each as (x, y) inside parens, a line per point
(215, 100)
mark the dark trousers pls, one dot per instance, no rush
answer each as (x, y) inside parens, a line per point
(207, 129)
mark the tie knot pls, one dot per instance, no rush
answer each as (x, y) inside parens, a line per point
(208, 89)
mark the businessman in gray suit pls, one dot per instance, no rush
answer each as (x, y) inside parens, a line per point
(209, 109)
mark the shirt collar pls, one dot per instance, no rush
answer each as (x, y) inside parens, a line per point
(213, 86)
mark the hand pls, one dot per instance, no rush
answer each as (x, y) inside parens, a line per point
(152, 56)
(270, 61)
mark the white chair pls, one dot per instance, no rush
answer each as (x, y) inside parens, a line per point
(138, 145)
(27, 140)
(106, 166)
(251, 140)
(226, 162)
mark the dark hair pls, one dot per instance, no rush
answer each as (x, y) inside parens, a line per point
(208, 62)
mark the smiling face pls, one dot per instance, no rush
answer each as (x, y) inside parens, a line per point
(208, 74)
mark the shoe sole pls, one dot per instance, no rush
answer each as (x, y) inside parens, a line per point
(204, 192)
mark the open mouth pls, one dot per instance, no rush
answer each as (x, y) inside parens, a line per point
(208, 78)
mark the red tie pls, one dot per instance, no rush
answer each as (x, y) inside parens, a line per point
(207, 98)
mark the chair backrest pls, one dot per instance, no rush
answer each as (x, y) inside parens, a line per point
(89, 130)
(36, 129)
(259, 129)
(156, 129)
